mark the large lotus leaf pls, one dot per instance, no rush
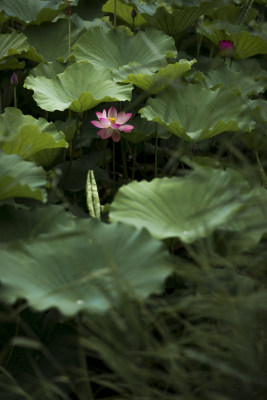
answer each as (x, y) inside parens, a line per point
(20, 178)
(115, 50)
(42, 39)
(12, 44)
(196, 113)
(235, 77)
(32, 11)
(189, 208)
(158, 81)
(38, 221)
(80, 87)
(123, 11)
(246, 44)
(178, 20)
(27, 136)
(88, 268)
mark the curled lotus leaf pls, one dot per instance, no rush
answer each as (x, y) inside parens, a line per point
(27, 136)
(160, 80)
(21, 178)
(80, 87)
(12, 44)
(195, 113)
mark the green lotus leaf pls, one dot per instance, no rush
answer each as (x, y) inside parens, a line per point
(234, 76)
(32, 11)
(195, 113)
(84, 24)
(27, 136)
(165, 77)
(38, 221)
(246, 44)
(189, 207)
(80, 87)
(12, 44)
(230, 12)
(11, 63)
(21, 178)
(49, 70)
(178, 20)
(99, 266)
(142, 53)
(123, 11)
(42, 39)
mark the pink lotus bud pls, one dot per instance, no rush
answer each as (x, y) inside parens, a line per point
(226, 48)
(14, 79)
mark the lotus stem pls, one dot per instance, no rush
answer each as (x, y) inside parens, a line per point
(156, 152)
(15, 96)
(115, 14)
(262, 172)
(124, 165)
(113, 165)
(69, 35)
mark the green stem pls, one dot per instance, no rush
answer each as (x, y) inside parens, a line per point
(199, 45)
(134, 162)
(113, 165)
(69, 36)
(262, 172)
(156, 152)
(72, 152)
(115, 14)
(15, 96)
(123, 156)
(145, 158)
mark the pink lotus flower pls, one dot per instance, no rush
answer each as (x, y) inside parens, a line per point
(112, 124)
(226, 47)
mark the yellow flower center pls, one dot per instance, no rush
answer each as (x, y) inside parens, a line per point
(112, 120)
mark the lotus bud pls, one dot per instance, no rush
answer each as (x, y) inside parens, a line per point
(133, 13)
(226, 48)
(14, 79)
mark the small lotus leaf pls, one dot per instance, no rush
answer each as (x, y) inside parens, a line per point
(80, 87)
(189, 208)
(196, 113)
(21, 178)
(87, 268)
(141, 53)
